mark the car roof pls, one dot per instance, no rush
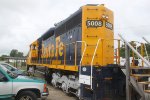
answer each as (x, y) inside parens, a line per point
(7, 64)
(2, 62)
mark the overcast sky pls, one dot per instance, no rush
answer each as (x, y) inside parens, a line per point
(23, 21)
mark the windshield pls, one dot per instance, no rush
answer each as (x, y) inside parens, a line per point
(10, 73)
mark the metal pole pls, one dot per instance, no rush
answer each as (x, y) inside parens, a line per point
(146, 52)
(116, 50)
(64, 55)
(133, 55)
(127, 54)
(16, 63)
(8, 60)
(142, 53)
(75, 54)
(146, 40)
(85, 46)
(119, 52)
(146, 62)
(93, 61)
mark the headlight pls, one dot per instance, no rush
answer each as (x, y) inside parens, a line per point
(84, 69)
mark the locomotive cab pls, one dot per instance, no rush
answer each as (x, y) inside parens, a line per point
(33, 54)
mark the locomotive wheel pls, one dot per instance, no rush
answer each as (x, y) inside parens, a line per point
(78, 92)
(64, 87)
(54, 83)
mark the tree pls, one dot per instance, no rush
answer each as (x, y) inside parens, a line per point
(16, 53)
(20, 54)
(13, 53)
(3, 57)
(122, 50)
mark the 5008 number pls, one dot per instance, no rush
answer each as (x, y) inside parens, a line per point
(94, 23)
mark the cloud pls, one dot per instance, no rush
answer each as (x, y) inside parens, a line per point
(23, 21)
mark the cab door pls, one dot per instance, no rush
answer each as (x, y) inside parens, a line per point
(5, 86)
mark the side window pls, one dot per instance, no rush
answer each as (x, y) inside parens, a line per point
(33, 47)
(1, 77)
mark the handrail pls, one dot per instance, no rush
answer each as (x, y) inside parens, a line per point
(118, 52)
(82, 54)
(141, 51)
(116, 55)
(117, 49)
(146, 48)
(93, 61)
(146, 40)
(138, 54)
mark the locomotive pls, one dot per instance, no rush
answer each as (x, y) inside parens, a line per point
(77, 55)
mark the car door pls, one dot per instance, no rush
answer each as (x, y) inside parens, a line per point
(5, 86)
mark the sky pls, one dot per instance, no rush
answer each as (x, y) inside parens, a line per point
(23, 21)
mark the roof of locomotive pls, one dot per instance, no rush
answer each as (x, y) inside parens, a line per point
(68, 18)
(47, 34)
(72, 15)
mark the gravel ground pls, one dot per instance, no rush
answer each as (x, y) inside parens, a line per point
(57, 94)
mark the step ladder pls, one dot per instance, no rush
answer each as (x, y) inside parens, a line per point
(142, 77)
(137, 77)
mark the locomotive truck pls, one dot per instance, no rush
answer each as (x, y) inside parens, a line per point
(77, 55)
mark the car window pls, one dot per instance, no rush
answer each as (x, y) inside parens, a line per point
(4, 68)
(9, 72)
(8, 67)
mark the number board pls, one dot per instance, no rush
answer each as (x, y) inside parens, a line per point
(94, 23)
(98, 23)
(109, 25)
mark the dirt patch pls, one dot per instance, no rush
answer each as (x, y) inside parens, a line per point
(57, 94)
